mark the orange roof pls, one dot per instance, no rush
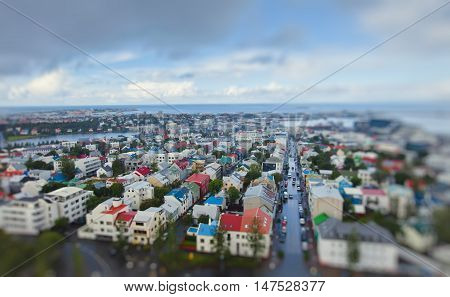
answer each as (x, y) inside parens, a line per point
(256, 215)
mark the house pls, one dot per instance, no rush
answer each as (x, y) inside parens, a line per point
(158, 180)
(205, 237)
(366, 175)
(417, 233)
(376, 199)
(104, 171)
(214, 170)
(101, 221)
(147, 226)
(377, 249)
(217, 201)
(401, 200)
(202, 180)
(88, 166)
(325, 199)
(272, 164)
(241, 229)
(210, 210)
(260, 196)
(71, 202)
(171, 209)
(232, 181)
(138, 192)
(181, 196)
(33, 188)
(28, 216)
(267, 180)
(195, 190)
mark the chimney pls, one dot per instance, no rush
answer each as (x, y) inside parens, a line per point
(116, 202)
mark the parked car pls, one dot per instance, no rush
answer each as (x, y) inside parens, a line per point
(283, 237)
(298, 189)
(290, 196)
(302, 221)
(283, 229)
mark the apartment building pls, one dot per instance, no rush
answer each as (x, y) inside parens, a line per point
(71, 202)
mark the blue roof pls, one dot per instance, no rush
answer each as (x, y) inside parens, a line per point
(178, 193)
(214, 200)
(58, 177)
(207, 230)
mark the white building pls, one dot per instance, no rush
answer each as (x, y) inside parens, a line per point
(71, 202)
(325, 199)
(239, 230)
(377, 251)
(101, 221)
(28, 216)
(147, 225)
(138, 192)
(88, 166)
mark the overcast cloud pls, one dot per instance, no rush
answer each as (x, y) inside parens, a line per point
(222, 51)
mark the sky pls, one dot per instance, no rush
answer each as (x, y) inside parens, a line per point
(195, 52)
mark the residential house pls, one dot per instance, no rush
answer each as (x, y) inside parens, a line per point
(202, 180)
(241, 229)
(147, 226)
(260, 197)
(138, 192)
(325, 199)
(377, 250)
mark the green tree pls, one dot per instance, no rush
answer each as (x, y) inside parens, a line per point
(233, 194)
(356, 181)
(52, 186)
(353, 250)
(215, 186)
(61, 225)
(441, 219)
(68, 168)
(277, 177)
(380, 176)
(154, 167)
(349, 164)
(160, 192)
(255, 238)
(116, 189)
(150, 203)
(204, 219)
(92, 202)
(401, 177)
(117, 167)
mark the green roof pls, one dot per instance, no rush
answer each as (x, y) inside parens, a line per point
(319, 219)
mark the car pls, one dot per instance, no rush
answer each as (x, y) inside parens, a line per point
(293, 179)
(304, 237)
(282, 237)
(283, 229)
(291, 196)
(302, 221)
(300, 209)
(298, 189)
(304, 245)
(284, 218)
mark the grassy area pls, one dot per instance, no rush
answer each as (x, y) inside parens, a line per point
(12, 138)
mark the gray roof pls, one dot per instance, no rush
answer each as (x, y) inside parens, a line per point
(371, 232)
(320, 191)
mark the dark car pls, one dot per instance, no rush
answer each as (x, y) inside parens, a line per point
(283, 237)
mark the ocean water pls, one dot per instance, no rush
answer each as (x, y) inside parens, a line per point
(433, 117)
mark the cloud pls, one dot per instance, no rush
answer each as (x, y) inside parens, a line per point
(167, 28)
(167, 90)
(48, 84)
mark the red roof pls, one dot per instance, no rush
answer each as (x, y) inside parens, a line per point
(114, 210)
(126, 216)
(373, 192)
(182, 164)
(263, 220)
(144, 170)
(198, 178)
(230, 222)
